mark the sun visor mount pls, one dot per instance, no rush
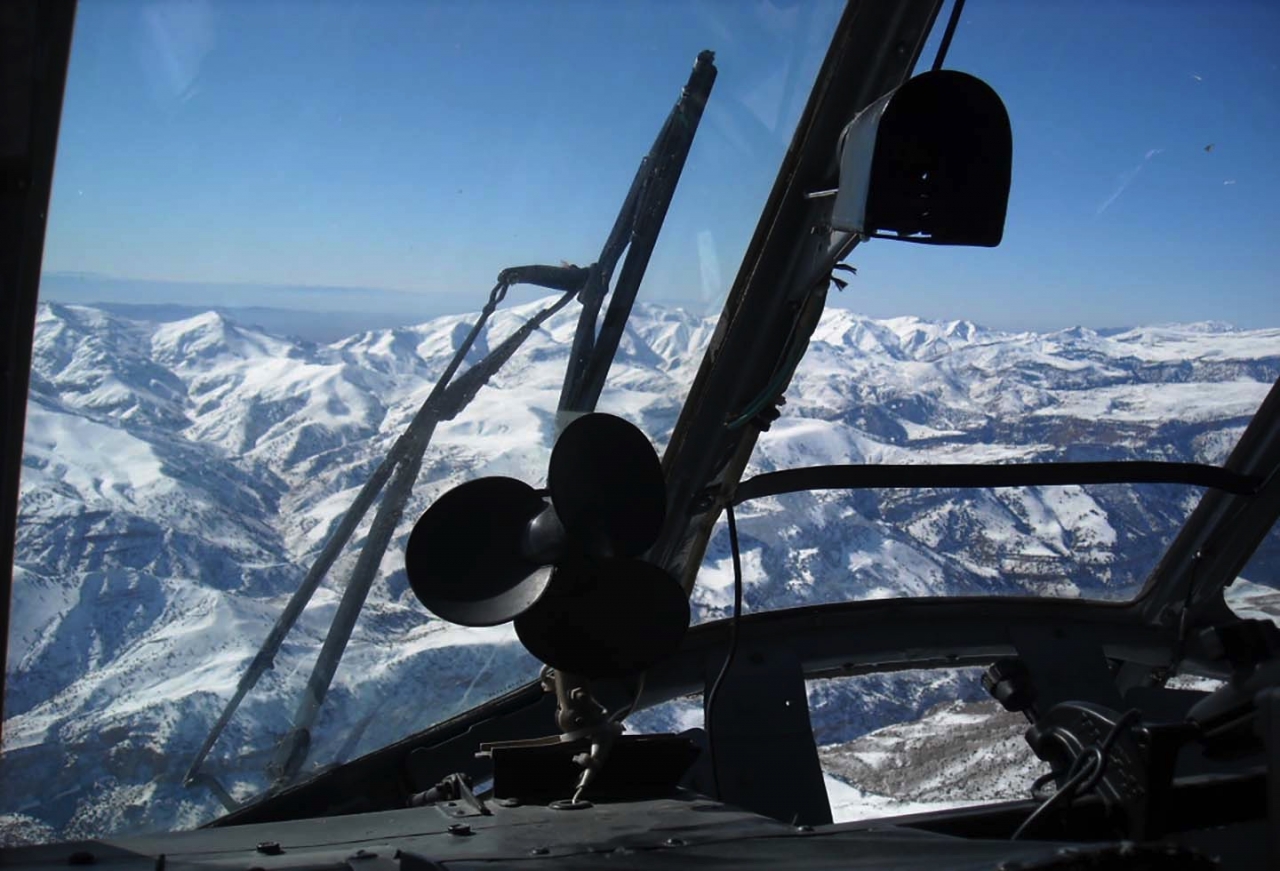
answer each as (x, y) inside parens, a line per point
(929, 162)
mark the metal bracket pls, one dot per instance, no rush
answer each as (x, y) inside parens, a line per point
(452, 797)
(762, 738)
(577, 712)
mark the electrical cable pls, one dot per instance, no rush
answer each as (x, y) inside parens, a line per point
(1041, 782)
(626, 710)
(1083, 775)
(1080, 773)
(794, 348)
(714, 694)
(774, 388)
(1131, 716)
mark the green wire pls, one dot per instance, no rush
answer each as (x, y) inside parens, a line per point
(772, 389)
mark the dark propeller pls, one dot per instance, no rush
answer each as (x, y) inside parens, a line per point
(563, 564)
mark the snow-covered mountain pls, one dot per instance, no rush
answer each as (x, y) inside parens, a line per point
(179, 477)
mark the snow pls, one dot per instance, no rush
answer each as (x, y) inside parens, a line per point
(956, 754)
(90, 456)
(179, 479)
(850, 804)
(1146, 402)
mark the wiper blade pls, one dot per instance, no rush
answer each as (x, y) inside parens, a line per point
(404, 461)
(444, 403)
(635, 231)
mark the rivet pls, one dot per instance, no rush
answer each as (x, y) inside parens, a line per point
(539, 851)
(459, 829)
(270, 848)
(674, 842)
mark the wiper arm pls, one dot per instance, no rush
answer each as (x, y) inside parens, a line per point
(446, 401)
(264, 660)
(636, 231)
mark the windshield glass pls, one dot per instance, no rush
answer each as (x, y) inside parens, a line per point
(274, 224)
(272, 227)
(1130, 313)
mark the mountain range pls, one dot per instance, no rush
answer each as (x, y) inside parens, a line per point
(180, 475)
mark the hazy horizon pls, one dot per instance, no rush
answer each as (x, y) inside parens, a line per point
(388, 146)
(274, 304)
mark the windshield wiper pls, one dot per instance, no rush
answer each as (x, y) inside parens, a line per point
(635, 231)
(400, 467)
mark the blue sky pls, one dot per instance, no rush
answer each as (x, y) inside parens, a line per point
(422, 147)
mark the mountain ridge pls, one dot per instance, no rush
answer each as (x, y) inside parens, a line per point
(179, 477)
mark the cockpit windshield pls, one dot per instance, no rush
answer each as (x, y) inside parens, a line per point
(274, 228)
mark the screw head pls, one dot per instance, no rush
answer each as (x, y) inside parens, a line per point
(508, 802)
(674, 842)
(270, 848)
(539, 851)
(459, 829)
